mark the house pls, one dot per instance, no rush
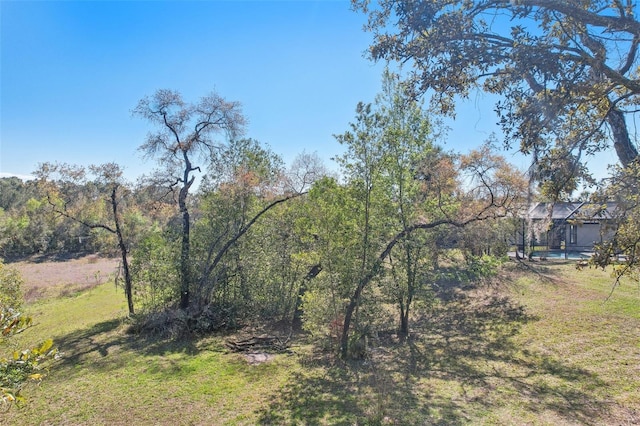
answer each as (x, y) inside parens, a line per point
(569, 227)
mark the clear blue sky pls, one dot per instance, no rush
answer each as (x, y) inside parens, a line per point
(72, 71)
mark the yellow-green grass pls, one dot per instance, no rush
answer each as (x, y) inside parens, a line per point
(106, 376)
(540, 347)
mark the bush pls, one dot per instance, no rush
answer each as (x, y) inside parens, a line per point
(10, 287)
(25, 365)
(155, 273)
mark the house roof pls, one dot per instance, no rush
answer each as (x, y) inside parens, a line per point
(594, 211)
(572, 210)
(542, 211)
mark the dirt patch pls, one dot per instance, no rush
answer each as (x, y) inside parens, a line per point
(66, 275)
(255, 358)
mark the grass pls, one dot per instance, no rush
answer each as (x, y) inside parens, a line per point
(540, 347)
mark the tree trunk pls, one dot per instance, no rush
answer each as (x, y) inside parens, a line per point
(625, 149)
(411, 280)
(344, 340)
(184, 255)
(404, 323)
(123, 252)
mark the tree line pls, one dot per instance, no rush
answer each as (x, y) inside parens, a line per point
(254, 241)
(345, 255)
(258, 242)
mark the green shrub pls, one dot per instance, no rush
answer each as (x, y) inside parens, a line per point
(155, 273)
(20, 366)
(10, 287)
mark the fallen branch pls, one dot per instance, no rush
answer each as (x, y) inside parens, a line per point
(255, 343)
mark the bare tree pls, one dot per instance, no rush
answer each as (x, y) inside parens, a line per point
(187, 133)
(65, 184)
(305, 170)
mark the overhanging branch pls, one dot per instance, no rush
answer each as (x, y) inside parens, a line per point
(209, 268)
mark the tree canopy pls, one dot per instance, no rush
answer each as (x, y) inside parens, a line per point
(566, 70)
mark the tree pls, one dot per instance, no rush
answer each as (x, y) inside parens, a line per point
(619, 197)
(304, 171)
(73, 195)
(406, 140)
(362, 165)
(245, 177)
(186, 133)
(567, 70)
(491, 194)
(401, 189)
(335, 222)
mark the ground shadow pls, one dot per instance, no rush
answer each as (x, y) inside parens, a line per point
(92, 347)
(457, 367)
(330, 397)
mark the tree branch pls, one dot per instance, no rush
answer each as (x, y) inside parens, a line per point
(240, 233)
(78, 220)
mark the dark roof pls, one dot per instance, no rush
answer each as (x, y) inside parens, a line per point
(558, 210)
(571, 210)
(594, 211)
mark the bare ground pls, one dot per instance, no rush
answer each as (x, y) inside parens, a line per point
(45, 277)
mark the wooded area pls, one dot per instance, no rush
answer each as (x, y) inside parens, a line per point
(224, 235)
(257, 242)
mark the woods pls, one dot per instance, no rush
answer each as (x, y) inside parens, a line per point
(243, 235)
(408, 264)
(256, 243)
(253, 242)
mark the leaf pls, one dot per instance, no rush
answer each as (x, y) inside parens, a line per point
(45, 346)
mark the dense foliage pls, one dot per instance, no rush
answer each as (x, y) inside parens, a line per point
(258, 243)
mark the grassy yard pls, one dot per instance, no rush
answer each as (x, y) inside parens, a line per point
(540, 347)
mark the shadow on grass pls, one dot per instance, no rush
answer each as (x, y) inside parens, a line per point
(93, 346)
(331, 397)
(460, 366)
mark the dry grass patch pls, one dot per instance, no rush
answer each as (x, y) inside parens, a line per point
(44, 277)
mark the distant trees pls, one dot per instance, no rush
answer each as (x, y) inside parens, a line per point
(567, 71)
(26, 227)
(15, 192)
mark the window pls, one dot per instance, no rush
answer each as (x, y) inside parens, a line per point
(573, 234)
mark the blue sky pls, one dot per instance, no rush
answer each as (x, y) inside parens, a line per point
(72, 71)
